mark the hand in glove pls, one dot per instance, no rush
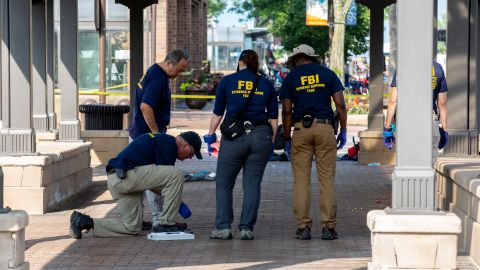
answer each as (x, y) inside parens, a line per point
(388, 137)
(287, 147)
(209, 139)
(443, 138)
(342, 138)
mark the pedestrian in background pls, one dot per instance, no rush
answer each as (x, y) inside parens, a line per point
(439, 128)
(152, 109)
(250, 151)
(306, 95)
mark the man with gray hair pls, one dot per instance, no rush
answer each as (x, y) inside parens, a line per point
(152, 108)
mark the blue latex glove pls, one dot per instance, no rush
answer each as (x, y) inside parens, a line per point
(273, 149)
(342, 138)
(443, 138)
(287, 148)
(209, 139)
(388, 137)
(184, 210)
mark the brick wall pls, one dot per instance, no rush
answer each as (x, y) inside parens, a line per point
(182, 24)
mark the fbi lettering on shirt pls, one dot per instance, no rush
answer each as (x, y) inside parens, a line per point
(310, 83)
(244, 88)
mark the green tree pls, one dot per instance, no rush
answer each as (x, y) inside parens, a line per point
(286, 19)
(442, 24)
(215, 8)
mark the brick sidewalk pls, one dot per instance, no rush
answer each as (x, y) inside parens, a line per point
(360, 189)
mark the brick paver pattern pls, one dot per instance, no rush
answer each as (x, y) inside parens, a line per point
(360, 189)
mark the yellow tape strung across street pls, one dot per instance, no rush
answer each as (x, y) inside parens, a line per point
(97, 92)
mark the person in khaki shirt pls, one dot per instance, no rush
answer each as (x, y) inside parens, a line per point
(307, 93)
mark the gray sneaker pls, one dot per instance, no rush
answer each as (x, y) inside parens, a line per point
(246, 234)
(224, 234)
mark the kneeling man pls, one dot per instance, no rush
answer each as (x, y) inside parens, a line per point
(145, 164)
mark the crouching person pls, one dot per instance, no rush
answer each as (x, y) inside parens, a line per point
(145, 164)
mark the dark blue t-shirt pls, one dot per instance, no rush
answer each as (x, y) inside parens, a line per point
(146, 149)
(310, 87)
(232, 93)
(439, 83)
(153, 89)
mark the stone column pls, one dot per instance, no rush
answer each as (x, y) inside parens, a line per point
(68, 71)
(12, 239)
(462, 83)
(412, 235)
(52, 116)
(16, 135)
(136, 44)
(39, 73)
(4, 67)
(474, 82)
(371, 140)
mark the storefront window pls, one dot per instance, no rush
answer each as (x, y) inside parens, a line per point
(88, 60)
(117, 60)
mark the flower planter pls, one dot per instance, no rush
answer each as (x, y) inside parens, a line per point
(196, 103)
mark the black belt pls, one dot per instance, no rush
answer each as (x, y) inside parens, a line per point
(262, 123)
(321, 121)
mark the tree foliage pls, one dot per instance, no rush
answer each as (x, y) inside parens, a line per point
(215, 8)
(286, 19)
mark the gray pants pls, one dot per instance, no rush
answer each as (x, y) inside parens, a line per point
(154, 200)
(250, 152)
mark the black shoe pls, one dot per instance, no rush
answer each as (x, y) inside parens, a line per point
(303, 234)
(329, 234)
(146, 225)
(78, 223)
(181, 226)
(165, 228)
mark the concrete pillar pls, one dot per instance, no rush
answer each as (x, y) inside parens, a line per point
(12, 239)
(412, 235)
(413, 186)
(136, 43)
(68, 71)
(375, 114)
(462, 51)
(16, 135)
(474, 81)
(371, 140)
(39, 65)
(52, 116)
(136, 50)
(4, 65)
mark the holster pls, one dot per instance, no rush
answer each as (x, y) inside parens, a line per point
(307, 119)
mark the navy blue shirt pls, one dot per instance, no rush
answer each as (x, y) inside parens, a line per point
(153, 89)
(310, 87)
(439, 83)
(146, 149)
(232, 93)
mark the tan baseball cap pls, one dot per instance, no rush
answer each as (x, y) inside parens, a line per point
(302, 48)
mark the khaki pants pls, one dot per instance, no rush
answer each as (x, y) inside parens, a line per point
(318, 140)
(164, 180)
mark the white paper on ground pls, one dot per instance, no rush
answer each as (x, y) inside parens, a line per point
(170, 236)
